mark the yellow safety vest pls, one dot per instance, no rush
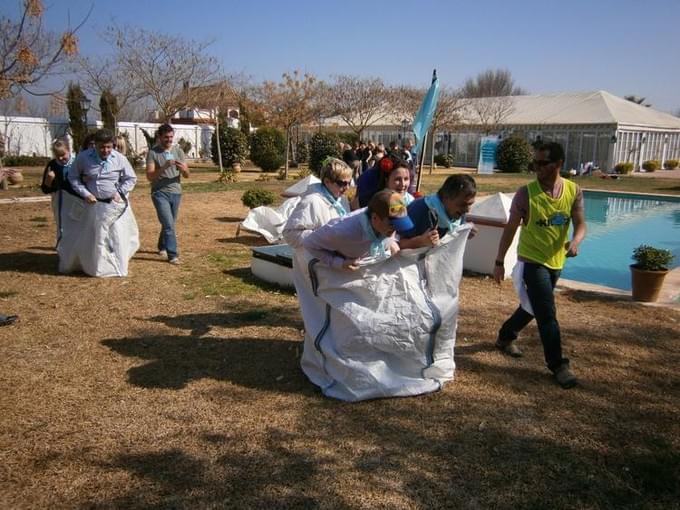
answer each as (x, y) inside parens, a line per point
(543, 238)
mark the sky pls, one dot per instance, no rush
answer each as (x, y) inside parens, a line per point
(549, 46)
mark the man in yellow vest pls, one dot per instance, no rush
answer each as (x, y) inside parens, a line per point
(544, 207)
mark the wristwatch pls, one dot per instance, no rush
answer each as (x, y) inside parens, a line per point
(499, 263)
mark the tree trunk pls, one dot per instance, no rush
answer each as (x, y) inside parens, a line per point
(285, 171)
(431, 151)
(217, 137)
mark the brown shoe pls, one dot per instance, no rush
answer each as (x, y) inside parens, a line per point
(509, 348)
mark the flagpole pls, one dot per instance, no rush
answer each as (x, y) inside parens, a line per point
(422, 162)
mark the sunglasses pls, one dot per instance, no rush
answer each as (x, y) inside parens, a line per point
(342, 184)
(541, 162)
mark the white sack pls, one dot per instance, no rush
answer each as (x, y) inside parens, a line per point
(269, 222)
(99, 239)
(520, 287)
(387, 329)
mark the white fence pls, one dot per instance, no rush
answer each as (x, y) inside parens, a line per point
(32, 136)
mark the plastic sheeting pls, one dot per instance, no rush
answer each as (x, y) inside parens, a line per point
(387, 329)
(269, 222)
(99, 239)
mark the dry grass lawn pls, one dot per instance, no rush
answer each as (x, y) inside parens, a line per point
(179, 387)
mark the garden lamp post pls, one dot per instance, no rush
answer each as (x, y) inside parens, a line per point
(85, 107)
(404, 126)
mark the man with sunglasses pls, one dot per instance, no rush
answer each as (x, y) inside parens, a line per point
(544, 208)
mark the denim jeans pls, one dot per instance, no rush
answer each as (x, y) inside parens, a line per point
(167, 208)
(540, 283)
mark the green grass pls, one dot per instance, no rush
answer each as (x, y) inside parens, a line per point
(213, 187)
(233, 279)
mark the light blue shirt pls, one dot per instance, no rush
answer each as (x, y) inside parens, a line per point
(345, 238)
(91, 175)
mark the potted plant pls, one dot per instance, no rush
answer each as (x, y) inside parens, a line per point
(649, 271)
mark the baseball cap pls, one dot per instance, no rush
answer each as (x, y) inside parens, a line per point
(399, 218)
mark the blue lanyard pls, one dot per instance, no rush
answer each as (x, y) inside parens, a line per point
(377, 245)
(103, 163)
(444, 222)
(335, 202)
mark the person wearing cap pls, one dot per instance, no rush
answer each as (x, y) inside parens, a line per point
(363, 233)
(444, 210)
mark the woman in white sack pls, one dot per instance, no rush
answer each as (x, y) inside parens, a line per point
(323, 202)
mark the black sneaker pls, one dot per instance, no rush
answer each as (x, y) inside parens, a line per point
(509, 348)
(565, 377)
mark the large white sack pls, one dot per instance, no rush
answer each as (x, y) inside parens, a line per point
(99, 239)
(269, 222)
(386, 330)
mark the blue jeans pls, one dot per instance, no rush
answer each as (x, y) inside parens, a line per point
(540, 283)
(167, 208)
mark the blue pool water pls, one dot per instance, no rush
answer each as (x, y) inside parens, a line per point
(618, 223)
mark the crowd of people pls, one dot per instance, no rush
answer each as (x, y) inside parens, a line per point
(97, 232)
(384, 217)
(96, 229)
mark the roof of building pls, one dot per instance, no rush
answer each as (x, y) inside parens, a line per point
(599, 107)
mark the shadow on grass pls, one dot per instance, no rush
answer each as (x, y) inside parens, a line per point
(175, 361)
(200, 323)
(428, 452)
(666, 189)
(246, 240)
(230, 219)
(29, 262)
(246, 276)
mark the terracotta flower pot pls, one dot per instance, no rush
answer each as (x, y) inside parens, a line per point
(236, 167)
(15, 178)
(646, 284)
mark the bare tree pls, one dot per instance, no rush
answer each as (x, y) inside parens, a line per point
(166, 68)
(406, 100)
(488, 113)
(56, 106)
(107, 76)
(360, 102)
(28, 52)
(290, 102)
(492, 83)
(447, 116)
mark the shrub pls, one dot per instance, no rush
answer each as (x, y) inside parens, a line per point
(514, 154)
(671, 164)
(303, 172)
(25, 161)
(185, 145)
(257, 197)
(649, 258)
(322, 145)
(348, 137)
(444, 160)
(74, 97)
(625, 167)
(302, 152)
(268, 148)
(233, 144)
(651, 165)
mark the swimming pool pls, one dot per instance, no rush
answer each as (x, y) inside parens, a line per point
(618, 223)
